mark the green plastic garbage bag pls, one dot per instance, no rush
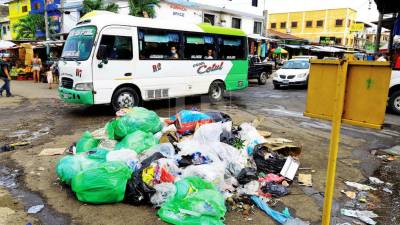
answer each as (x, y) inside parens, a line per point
(86, 142)
(138, 141)
(69, 166)
(137, 118)
(102, 183)
(196, 202)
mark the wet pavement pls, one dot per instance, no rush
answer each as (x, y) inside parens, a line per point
(36, 115)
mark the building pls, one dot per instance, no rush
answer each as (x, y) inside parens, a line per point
(17, 9)
(329, 26)
(365, 39)
(247, 15)
(5, 31)
(54, 15)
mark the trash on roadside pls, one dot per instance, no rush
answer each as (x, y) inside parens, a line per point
(387, 190)
(360, 187)
(11, 147)
(365, 216)
(290, 168)
(349, 194)
(375, 180)
(52, 151)
(187, 165)
(305, 179)
(35, 209)
(296, 221)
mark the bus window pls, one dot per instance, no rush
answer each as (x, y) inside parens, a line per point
(231, 47)
(118, 47)
(158, 45)
(197, 46)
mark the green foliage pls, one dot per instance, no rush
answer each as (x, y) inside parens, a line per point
(143, 8)
(26, 27)
(90, 5)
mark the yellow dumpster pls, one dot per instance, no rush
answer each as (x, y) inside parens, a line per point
(366, 91)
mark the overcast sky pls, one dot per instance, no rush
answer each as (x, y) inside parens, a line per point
(364, 14)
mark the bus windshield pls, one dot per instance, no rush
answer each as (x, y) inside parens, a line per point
(79, 43)
(296, 64)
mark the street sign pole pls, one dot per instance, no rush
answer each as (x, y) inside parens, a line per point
(334, 142)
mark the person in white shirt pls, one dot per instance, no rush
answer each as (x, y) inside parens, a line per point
(209, 54)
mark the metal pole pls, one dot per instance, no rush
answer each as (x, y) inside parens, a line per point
(378, 34)
(46, 21)
(390, 43)
(334, 142)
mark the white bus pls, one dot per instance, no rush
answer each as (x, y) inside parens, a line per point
(123, 60)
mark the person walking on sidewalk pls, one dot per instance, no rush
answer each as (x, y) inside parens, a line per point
(5, 76)
(36, 66)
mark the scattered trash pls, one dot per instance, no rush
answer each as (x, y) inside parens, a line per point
(375, 180)
(35, 209)
(296, 221)
(387, 190)
(305, 179)
(279, 217)
(395, 150)
(187, 165)
(365, 216)
(52, 151)
(360, 187)
(350, 194)
(290, 168)
(11, 147)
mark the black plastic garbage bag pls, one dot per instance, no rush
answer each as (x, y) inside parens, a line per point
(276, 190)
(137, 192)
(246, 175)
(268, 162)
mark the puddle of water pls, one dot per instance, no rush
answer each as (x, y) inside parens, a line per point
(37, 134)
(18, 133)
(9, 180)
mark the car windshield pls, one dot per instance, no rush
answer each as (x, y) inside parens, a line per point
(296, 64)
(79, 43)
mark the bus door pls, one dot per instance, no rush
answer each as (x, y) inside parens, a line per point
(113, 62)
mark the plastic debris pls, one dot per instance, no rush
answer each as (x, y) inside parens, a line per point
(365, 216)
(246, 175)
(275, 190)
(271, 178)
(305, 179)
(387, 190)
(296, 221)
(35, 209)
(360, 187)
(350, 194)
(375, 180)
(290, 168)
(86, 143)
(123, 155)
(187, 120)
(268, 162)
(52, 151)
(137, 141)
(395, 150)
(164, 191)
(196, 202)
(277, 216)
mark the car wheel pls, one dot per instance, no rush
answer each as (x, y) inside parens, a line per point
(262, 79)
(394, 102)
(125, 97)
(277, 86)
(216, 91)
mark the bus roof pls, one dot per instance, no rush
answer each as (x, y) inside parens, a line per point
(104, 18)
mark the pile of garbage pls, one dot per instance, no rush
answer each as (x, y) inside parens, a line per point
(191, 166)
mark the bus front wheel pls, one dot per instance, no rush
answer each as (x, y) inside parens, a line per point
(125, 97)
(216, 91)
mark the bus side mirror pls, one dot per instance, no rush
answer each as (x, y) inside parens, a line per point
(101, 55)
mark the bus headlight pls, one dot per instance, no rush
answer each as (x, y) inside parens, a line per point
(84, 87)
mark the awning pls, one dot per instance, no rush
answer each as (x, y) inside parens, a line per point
(257, 37)
(7, 44)
(326, 49)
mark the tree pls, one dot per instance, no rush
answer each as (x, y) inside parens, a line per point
(27, 26)
(90, 5)
(143, 8)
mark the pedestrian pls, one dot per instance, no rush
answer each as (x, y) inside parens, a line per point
(49, 76)
(36, 66)
(5, 76)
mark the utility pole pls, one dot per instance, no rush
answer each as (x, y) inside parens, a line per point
(62, 19)
(378, 33)
(46, 21)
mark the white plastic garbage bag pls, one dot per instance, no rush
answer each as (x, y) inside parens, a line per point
(251, 137)
(213, 172)
(123, 155)
(163, 192)
(189, 147)
(211, 132)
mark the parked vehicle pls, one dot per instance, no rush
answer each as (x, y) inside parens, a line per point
(259, 70)
(124, 60)
(293, 73)
(394, 92)
(305, 57)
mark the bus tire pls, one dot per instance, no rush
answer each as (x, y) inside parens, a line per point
(394, 102)
(216, 91)
(125, 97)
(262, 78)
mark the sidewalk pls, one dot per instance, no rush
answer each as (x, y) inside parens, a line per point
(31, 90)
